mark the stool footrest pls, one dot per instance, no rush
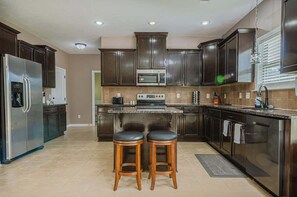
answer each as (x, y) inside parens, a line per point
(128, 164)
(128, 173)
(162, 164)
(164, 172)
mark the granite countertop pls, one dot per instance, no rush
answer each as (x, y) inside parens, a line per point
(52, 105)
(114, 105)
(134, 110)
(275, 113)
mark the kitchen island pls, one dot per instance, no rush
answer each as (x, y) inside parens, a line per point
(145, 121)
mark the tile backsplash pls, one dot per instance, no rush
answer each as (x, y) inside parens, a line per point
(284, 99)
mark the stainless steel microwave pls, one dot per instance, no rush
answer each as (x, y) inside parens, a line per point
(151, 77)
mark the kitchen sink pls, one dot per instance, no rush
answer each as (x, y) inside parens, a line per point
(256, 109)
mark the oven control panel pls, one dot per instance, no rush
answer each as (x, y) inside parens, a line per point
(150, 96)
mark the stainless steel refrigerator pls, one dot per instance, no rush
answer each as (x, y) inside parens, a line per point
(21, 107)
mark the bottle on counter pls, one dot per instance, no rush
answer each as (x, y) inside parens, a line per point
(216, 99)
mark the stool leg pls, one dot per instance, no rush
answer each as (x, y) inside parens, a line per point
(150, 160)
(173, 166)
(153, 166)
(169, 158)
(117, 166)
(138, 166)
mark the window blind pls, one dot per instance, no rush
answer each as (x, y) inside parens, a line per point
(269, 66)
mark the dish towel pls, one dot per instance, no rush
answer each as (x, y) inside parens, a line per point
(226, 128)
(238, 134)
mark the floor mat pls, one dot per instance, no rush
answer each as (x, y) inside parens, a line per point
(217, 166)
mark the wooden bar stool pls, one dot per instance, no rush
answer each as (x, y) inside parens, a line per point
(127, 138)
(168, 139)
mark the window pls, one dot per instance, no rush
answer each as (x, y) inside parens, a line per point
(268, 70)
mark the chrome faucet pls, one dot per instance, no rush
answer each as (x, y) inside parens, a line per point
(259, 93)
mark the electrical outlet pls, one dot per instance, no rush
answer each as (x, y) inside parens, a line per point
(78, 116)
(225, 96)
(240, 95)
(178, 95)
(207, 95)
(247, 95)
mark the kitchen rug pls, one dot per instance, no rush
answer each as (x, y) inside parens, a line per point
(217, 166)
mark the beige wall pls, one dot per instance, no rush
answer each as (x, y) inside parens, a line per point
(269, 17)
(80, 87)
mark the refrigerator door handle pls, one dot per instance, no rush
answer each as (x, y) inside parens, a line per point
(29, 95)
(25, 108)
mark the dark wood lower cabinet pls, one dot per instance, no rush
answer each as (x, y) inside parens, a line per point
(105, 124)
(54, 121)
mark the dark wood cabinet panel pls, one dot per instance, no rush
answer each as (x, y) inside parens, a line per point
(118, 67)
(209, 62)
(183, 67)
(192, 68)
(215, 127)
(144, 52)
(105, 126)
(222, 63)
(54, 122)
(109, 66)
(8, 40)
(231, 49)
(191, 126)
(158, 51)
(175, 68)
(289, 39)
(49, 65)
(127, 75)
(25, 50)
(151, 49)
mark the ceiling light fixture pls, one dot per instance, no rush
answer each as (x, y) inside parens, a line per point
(204, 1)
(205, 23)
(99, 22)
(152, 23)
(80, 45)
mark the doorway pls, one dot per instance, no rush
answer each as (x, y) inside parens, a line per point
(59, 92)
(96, 93)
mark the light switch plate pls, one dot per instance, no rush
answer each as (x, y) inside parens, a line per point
(225, 96)
(240, 95)
(207, 95)
(247, 95)
(178, 95)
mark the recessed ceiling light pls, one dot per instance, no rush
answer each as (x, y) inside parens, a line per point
(80, 45)
(99, 22)
(152, 23)
(204, 1)
(205, 23)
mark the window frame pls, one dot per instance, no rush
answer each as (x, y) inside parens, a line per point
(258, 71)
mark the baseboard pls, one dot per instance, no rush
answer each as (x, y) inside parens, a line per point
(79, 125)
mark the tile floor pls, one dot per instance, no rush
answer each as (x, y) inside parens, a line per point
(76, 165)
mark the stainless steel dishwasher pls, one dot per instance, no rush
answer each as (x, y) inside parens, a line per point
(264, 151)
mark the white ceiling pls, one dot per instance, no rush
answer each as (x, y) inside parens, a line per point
(64, 22)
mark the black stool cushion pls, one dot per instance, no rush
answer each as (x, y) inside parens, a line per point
(128, 136)
(161, 135)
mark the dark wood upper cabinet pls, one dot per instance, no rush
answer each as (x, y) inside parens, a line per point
(151, 49)
(8, 40)
(193, 64)
(222, 61)
(183, 67)
(48, 67)
(175, 68)
(238, 48)
(289, 38)
(118, 67)
(209, 61)
(127, 75)
(231, 51)
(25, 50)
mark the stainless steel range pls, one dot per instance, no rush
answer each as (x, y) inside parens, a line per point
(151, 101)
